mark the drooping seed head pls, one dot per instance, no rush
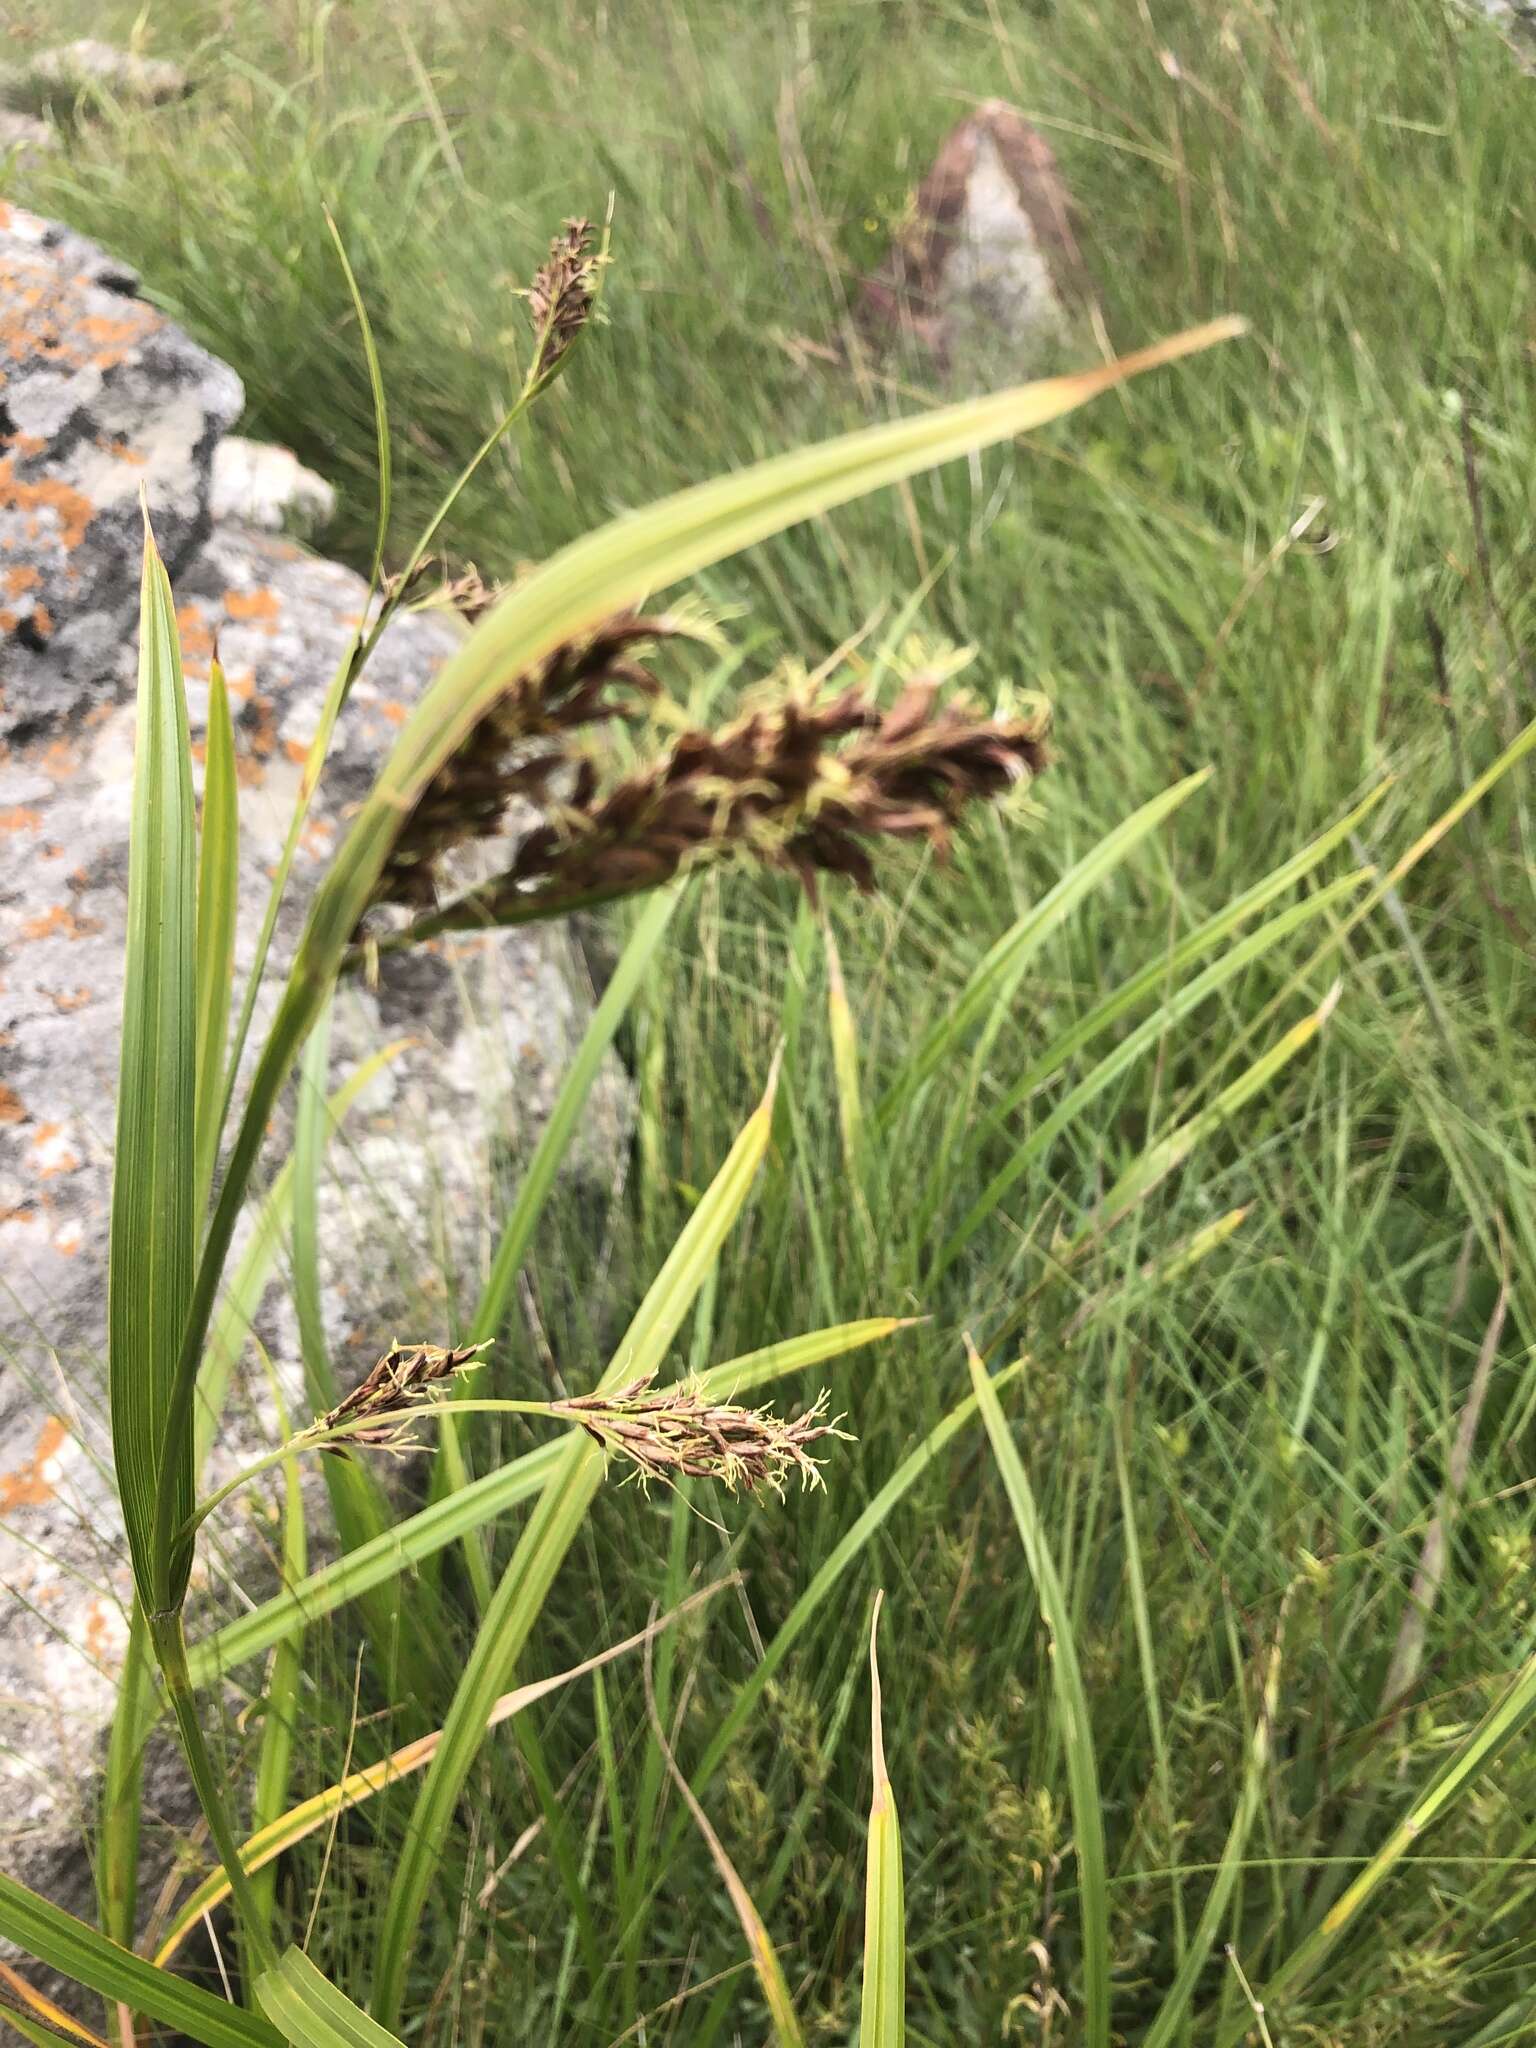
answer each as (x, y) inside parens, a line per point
(677, 1432)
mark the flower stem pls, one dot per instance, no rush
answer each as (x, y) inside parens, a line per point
(170, 1647)
(333, 1439)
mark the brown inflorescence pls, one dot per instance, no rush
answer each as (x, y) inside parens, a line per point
(596, 677)
(561, 297)
(804, 785)
(677, 1432)
(407, 1376)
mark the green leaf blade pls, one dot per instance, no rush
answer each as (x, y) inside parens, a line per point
(154, 1180)
(309, 2012)
(218, 889)
(61, 1942)
(1071, 1708)
(883, 2006)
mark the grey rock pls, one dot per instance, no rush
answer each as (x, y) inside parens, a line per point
(256, 483)
(89, 64)
(988, 279)
(100, 397)
(408, 1205)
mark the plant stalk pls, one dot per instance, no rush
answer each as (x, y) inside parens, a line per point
(170, 1647)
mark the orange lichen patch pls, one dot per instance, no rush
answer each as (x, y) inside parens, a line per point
(251, 604)
(59, 759)
(196, 633)
(106, 335)
(121, 451)
(11, 1111)
(20, 580)
(32, 1486)
(103, 1636)
(5, 214)
(8, 621)
(317, 838)
(68, 1239)
(72, 510)
(241, 686)
(248, 773)
(42, 621)
(396, 713)
(59, 922)
(296, 750)
(20, 819)
(50, 1152)
(69, 999)
(53, 323)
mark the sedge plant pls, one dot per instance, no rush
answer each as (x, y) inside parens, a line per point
(808, 783)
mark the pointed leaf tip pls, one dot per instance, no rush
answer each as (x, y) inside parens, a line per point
(877, 1728)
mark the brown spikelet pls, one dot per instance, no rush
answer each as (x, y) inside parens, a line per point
(407, 1376)
(596, 677)
(561, 297)
(803, 784)
(676, 1432)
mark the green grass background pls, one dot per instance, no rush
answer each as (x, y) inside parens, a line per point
(1246, 562)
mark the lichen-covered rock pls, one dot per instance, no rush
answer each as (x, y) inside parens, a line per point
(89, 64)
(409, 1203)
(257, 483)
(101, 397)
(987, 278)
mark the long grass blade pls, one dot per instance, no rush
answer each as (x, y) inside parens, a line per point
(1181, 1000)
(22, 2002)
(285, 1678)
(1167, 2026)
(1167, 1154)
(1006, 960)
(1171, 971)
(383, 452)
(1071, 1709)
(845, 1059)
(765, 1958)
(1508, 1717)
(883, 2006)
(134, 1713)
(154, 1178)
(551, 1529)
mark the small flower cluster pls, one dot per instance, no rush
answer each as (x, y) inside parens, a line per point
(407, 1376)
(561, 297)
(677, 1432)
